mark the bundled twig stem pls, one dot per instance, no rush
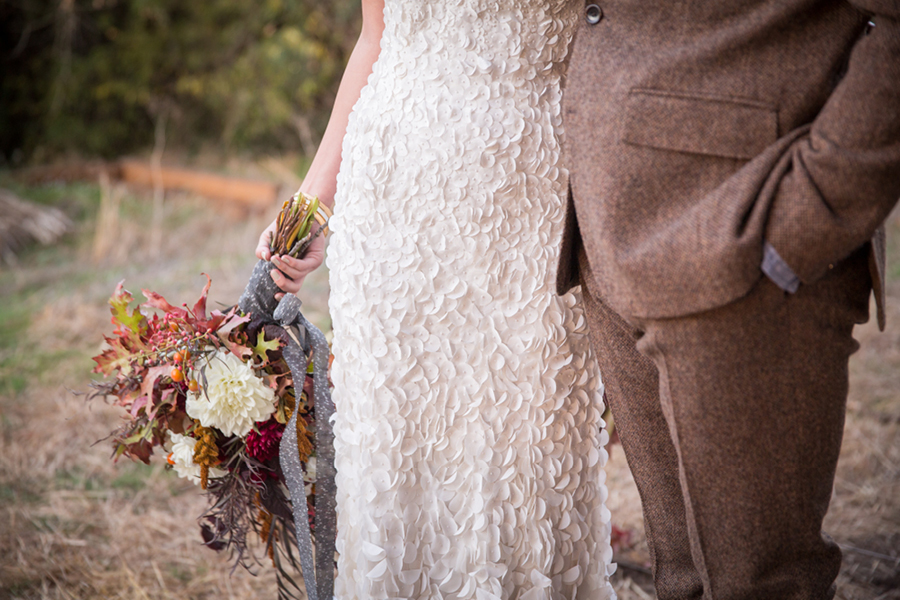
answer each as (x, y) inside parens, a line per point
(293, 232)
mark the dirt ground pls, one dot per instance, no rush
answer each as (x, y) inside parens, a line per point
(75, 525)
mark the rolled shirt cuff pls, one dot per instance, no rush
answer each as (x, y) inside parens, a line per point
(777, 270)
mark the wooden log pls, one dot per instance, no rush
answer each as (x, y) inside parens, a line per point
(250, 193)
(73, 170)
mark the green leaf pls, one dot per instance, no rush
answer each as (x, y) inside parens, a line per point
(137, 436)
(280, 414)
(262, 346)
(133, 321)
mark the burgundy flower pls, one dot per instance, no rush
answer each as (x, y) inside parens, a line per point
(263, 445)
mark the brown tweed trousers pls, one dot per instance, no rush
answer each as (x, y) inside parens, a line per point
(697, 131)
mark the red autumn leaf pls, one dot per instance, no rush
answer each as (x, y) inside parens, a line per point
(166, 397)
(230, 322)
(140, 451)
(157, 301)
(278, 382)
(196, 318)
(200, 306)
(118, 357)
(175, 420)
(127, 397)
(139, 403)
(153, 373)
(241, 351)
(212, 324)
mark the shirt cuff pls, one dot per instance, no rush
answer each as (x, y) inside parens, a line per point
(777, 270)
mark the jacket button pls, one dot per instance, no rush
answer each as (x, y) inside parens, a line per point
(593, 13)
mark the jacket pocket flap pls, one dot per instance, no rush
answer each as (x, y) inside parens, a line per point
(732, 128)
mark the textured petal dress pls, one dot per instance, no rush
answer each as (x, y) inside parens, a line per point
(468, 431)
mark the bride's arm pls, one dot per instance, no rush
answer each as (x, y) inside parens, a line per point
(321, 179)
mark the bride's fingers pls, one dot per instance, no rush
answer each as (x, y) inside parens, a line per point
(288, 284)
(262, 248)
(291, 272)
(294, 268)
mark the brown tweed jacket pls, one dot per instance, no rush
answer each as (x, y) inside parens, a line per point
(698, 129)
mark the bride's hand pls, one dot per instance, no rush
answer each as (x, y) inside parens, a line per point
(291, 271)
(262, 248)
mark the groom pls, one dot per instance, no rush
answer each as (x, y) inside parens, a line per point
(731, 163)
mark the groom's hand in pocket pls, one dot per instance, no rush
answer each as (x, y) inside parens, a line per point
(291, 272)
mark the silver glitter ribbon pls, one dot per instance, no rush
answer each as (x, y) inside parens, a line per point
(259, 298)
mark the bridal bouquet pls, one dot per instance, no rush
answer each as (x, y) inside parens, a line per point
(237, 402)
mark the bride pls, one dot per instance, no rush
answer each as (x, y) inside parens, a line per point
(468, 437)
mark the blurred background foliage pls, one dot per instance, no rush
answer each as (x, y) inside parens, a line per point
(102, 77)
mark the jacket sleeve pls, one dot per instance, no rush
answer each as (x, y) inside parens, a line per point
(838, 183)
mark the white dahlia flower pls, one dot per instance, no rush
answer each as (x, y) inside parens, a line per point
(235, 397)
(181, 457)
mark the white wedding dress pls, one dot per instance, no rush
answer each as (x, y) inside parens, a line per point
(468, 436)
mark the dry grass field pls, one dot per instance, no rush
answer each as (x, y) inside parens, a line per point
(73, 525)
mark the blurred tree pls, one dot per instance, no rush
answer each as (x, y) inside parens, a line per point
(99, 77)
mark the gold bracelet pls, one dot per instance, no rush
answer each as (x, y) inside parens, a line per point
(323, 213)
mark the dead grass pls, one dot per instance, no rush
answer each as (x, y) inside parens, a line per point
(864, 515)
(75, 525)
